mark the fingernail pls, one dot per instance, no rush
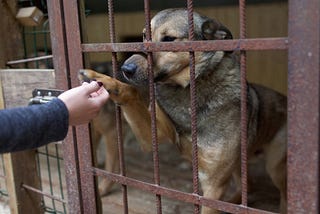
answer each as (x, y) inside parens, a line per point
(100, 83)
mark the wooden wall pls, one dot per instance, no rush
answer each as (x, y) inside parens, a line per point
(11, 46)
(263, 20)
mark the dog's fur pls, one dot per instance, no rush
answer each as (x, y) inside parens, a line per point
(218, 106)
(104, 134)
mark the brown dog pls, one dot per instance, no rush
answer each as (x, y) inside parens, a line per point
(218, 106)
(103, 131)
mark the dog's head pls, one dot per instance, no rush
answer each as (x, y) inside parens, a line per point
(171, 25)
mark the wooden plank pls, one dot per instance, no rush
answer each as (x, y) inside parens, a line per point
(19, 83)
(11, 45)
(21, 167)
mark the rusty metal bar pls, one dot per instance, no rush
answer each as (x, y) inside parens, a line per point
(227, 45)
(118, 111)
(303, 106)
(155, 149)
(193, 105)
(30, 188)
(13, 62)
(178, 195)
(60, 61)
(76, 61)
(244, 111)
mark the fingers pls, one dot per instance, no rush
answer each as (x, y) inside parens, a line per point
(92, 86)
(99, 95)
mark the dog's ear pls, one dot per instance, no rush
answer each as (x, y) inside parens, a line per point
(212, 29)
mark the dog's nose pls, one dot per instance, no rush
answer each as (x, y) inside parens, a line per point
(129, 69)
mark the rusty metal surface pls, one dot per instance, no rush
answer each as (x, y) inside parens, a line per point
(33, 59)
(122, 166)
(43, 193)
(244, 111)
(60, 61)
(155, 149)
(178, 195)
(303, 106)
(193, 106)
(228, 45)
(75, 58)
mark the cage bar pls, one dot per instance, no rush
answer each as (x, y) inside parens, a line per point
(82, 137)
(303, 107)
(60, 61)
(179, 195)
(226, 45)
(193, 105)
(118, 111)
(244, 111)
(155, 149)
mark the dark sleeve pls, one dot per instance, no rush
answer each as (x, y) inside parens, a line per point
(33, 126)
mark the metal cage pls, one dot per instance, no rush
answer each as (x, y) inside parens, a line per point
(302, 44)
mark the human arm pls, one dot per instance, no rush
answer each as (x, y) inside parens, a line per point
(34, 126)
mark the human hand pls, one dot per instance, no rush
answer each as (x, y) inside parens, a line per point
(84, 102)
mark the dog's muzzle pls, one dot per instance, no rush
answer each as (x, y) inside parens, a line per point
(129, 69)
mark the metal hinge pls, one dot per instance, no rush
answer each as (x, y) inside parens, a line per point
(41, 96)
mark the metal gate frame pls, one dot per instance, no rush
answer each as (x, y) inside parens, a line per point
(303, 47)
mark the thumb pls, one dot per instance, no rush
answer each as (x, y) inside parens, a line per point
(92, 87)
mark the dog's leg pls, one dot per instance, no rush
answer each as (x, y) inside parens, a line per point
(276, 166)
(103, 130)
(111, 160)
(135, 110)
(236, 195)
(216, 165)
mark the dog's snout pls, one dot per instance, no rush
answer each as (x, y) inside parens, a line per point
(129, 69)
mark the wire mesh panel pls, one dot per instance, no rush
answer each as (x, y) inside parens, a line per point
(74, 49)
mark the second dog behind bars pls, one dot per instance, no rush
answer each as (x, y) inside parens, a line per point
(218, 90)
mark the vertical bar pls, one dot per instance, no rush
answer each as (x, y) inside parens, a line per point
(118, 112)
(76, 61)
(49, 176)
(60, 61)
(155, 149)
(193, 103)
(303, 106)
(60, 177)
(244, 120)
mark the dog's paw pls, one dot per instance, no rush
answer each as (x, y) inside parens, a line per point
(119, 92)
(86, 75)
(105, 187)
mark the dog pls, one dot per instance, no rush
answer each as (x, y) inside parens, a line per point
(218, 91)
(104, 134)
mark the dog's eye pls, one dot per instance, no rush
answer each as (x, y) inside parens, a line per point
(168, 39)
